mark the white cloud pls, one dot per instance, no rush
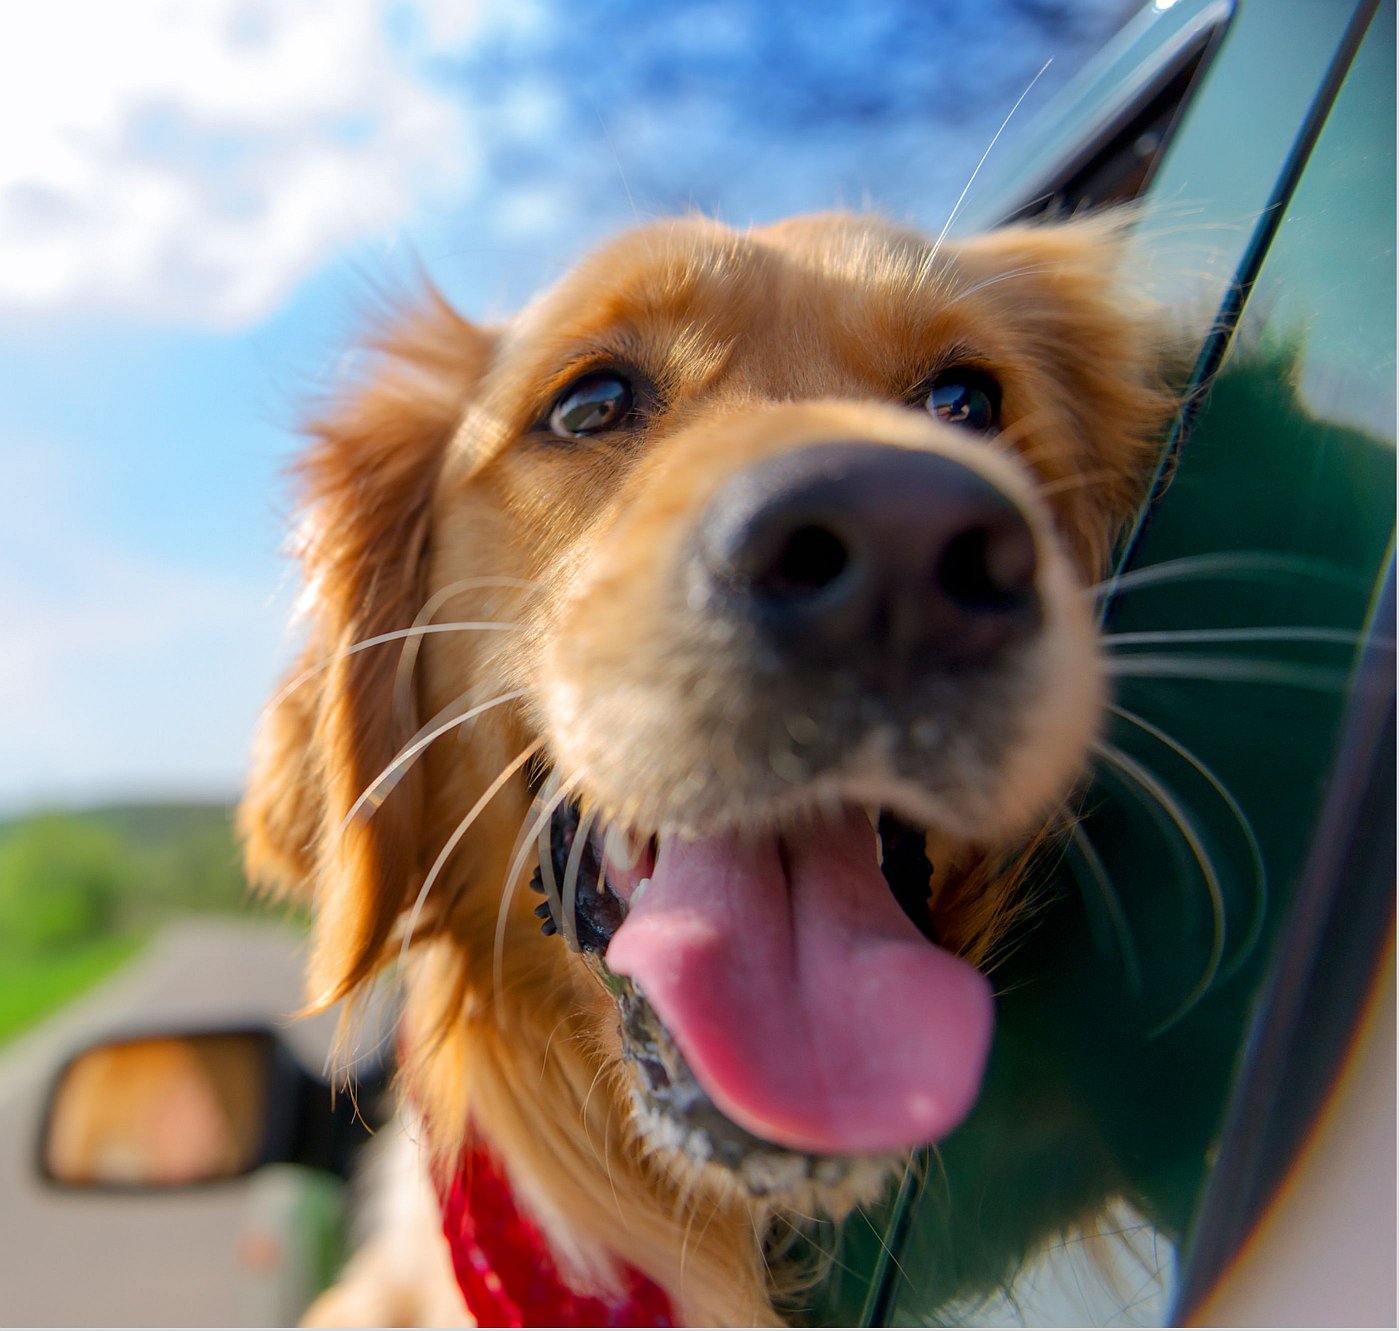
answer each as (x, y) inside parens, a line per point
(190, 160)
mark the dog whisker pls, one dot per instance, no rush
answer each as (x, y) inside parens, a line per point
(512, 877)
(1141, 779)
(908, 1182)
(607, 1157)
(976, 170)
(397, 635)
(1255, 851)
(588, 1099)
(570, 876)
(549, 1043)
(407, 660)
(562, 901)
(779, 1251)
(1341, 637)
(1224, 669)
(458, 832)
(1097, 871)
(763, 1256)
(376, 792)
(546, 864)
(690, 1213)
(1028, 270)
(685, 1241)
(1261, 564)
(616, 160)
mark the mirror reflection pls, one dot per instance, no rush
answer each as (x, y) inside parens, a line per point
(159, 1112)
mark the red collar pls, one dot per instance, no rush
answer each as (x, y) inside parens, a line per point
(505, 1269)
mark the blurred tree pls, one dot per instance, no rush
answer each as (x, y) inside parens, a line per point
(67, 877)
(61, 879)
(81, 891)
(184, 859)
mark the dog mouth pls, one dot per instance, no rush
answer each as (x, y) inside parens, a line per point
(783, 1002)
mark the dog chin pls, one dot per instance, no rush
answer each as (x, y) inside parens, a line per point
(770, 1176)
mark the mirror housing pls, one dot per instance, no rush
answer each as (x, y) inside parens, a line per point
(171, 1109)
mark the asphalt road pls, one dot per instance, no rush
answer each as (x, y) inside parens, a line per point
(195, 1258)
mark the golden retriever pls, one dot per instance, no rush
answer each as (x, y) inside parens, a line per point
(736, 591)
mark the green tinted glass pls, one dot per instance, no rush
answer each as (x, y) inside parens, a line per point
(1064, 1198)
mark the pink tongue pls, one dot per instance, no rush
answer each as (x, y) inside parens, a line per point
(806, 1003)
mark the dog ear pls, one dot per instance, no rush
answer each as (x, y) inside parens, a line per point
(366, 486)
(1099, 349)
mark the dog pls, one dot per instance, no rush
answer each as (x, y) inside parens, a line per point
(734, 597)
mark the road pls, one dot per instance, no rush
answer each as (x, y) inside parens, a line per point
(73, 1259)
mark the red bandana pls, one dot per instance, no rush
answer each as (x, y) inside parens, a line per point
(505, 1269)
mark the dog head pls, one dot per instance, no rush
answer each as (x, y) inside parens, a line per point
(739, 584)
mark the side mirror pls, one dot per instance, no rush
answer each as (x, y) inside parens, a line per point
(171, 1110)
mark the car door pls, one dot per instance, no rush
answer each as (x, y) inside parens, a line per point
(1175, 1016)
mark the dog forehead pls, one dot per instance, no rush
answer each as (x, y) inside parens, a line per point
(696, 270)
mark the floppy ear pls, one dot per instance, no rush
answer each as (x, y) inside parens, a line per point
(1099, 347)
(366, 486)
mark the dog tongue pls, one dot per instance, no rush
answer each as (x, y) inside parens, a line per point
(808, 1006)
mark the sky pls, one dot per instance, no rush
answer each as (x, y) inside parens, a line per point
(197, 196)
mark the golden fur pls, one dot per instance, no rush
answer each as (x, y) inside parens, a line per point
(424, 483)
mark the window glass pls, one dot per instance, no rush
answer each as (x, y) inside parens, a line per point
(1234, 634)
(1293, 463)
(1114, 122)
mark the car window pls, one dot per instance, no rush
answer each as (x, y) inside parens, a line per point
(1119, 116)
(1232, 142)
(1320, 322)
(1117, 171)
(1278, 518)
(1235, 632)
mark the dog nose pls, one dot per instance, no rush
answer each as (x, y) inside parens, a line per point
(867, 557)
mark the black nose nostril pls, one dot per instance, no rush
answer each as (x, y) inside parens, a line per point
(985, 568)
(869, 562)
(809, 560)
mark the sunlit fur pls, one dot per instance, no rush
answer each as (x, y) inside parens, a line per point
(429, 472)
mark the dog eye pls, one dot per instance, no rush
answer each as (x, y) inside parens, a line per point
(594, 404)
(965, 397)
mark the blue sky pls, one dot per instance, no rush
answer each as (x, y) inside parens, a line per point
(194, 192)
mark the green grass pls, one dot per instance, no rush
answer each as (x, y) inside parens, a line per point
(81, 889)
(33, 986)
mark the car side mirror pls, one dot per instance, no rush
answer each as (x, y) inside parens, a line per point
(172, 1110)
